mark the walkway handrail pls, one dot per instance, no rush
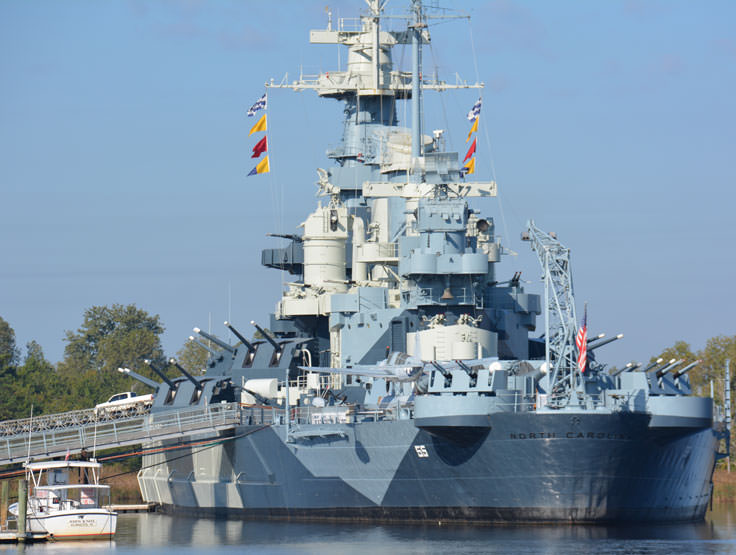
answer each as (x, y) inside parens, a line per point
(53, 435)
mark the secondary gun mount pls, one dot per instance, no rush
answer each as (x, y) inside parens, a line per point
(248, 360)
(205, 347)
(652, 364)
(290, 236)
(597, 344)
(214, 340)
(687, 368)
(158, 371)
(240, 336)
(142, 379)
(277, 347)
(197, 383)
(267, 336)
(670, 365)
(630, 367)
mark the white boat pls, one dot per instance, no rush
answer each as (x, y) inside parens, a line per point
(67, 500)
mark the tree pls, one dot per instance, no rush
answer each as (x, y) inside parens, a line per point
(192, 357)
(37, 384)
(8, 351)
(34, 383)
(8, 368)
(109, 338)
(713, 367)
(679, 351)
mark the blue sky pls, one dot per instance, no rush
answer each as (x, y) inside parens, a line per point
(124, 151)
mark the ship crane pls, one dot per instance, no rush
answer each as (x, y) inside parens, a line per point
(560, 319)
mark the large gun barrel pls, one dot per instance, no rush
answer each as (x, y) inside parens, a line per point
(670, 365)
(469, 371)
(652, 364)
(295, 238)
(214, 340)
(137, 376)
(594, 346)
(171, 384)
(205, 347)
(596, 338)
(687, 368)
(267, 335)
(630, 367)
(188, 376)
(243, 340)
(442, 370)
(258, 397)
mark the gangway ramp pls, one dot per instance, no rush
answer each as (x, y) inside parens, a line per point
(58, 434)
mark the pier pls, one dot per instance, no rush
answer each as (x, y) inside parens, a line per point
(13, 536)
(57, 435)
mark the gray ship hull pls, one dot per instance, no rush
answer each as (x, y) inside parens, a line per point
(536, 467)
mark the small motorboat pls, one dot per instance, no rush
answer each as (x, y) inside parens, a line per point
(67, 501)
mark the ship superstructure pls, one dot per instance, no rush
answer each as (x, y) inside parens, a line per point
(398, 377)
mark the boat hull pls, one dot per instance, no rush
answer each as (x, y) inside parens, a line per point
(92, 524)
(523, 468)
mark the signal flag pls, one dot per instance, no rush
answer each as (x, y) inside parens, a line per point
(262, 167)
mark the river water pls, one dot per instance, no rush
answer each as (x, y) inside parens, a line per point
(163, 534)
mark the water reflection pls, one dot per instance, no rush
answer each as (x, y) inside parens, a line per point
(156, 533)
(715, 534)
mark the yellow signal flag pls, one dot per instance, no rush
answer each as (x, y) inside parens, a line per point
(261, 125)
(472, 129)
(470, 166)
(262, 167)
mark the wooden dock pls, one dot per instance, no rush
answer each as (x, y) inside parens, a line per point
(12, 536)
(137, 508)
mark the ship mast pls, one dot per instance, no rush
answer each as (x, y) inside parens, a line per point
(416, 85)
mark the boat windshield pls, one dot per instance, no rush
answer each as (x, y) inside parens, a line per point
(64, 498)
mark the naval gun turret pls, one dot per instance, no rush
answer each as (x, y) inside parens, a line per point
(146, 381)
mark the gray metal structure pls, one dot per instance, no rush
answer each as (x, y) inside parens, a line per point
(560, 318)
(399, 378)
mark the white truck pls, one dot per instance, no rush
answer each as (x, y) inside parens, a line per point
(124, 404)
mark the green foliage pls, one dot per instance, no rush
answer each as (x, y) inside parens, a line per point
(109, 338)
(8, 351)
(680, 350)
(8, 368)
(37, 383)
(192, 357)
(34, 383)
(712, 366)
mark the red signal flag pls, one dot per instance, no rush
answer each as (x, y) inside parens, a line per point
(471, 150)
(260, 148)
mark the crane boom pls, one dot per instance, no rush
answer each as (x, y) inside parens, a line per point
(560, 318)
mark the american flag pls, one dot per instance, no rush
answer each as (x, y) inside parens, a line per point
(259, 105)
(581, 341)
(475, 110)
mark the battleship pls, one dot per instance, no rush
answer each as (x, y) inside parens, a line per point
(399, 378)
